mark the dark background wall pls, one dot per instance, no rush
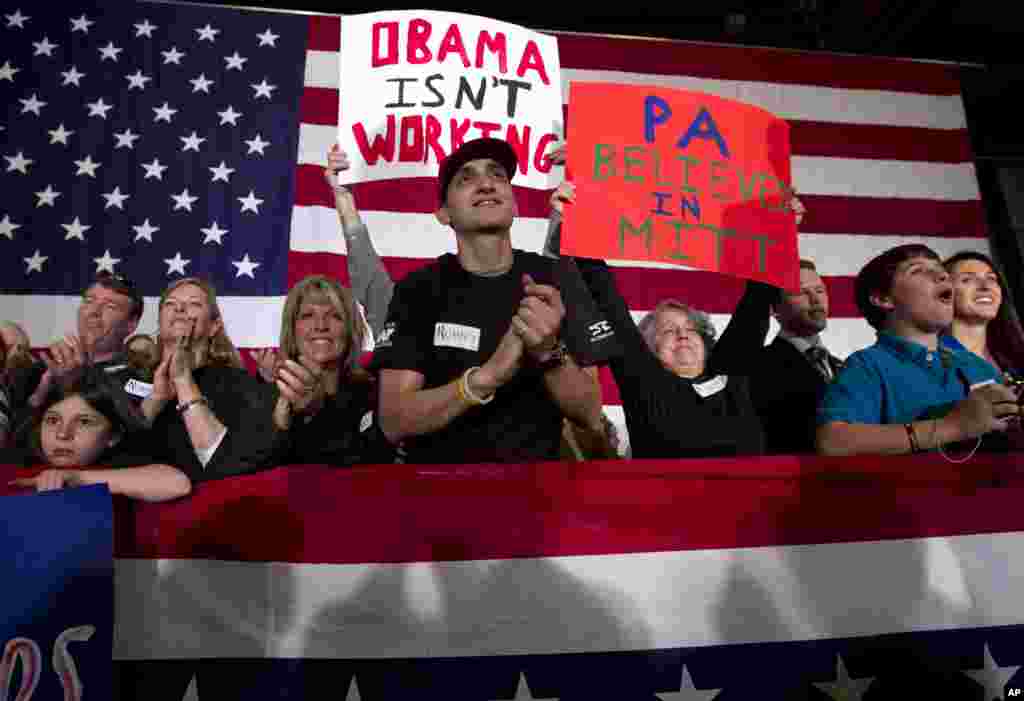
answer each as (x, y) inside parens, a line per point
(991, 99)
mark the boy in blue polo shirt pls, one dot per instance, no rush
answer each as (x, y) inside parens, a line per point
(906, 393)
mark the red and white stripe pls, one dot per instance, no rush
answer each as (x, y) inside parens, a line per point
(881, 156)
(541, 559)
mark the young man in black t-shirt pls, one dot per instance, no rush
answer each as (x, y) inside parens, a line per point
(473, 368)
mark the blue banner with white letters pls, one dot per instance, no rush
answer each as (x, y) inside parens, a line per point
(57, 601)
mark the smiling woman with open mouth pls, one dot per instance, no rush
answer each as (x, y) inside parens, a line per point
(326, 401)
(209, 417)
(984, 322)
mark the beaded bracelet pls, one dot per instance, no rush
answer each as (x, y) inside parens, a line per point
(914, 445)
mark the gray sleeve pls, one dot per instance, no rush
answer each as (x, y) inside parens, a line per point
(371, 284)
(553, 242)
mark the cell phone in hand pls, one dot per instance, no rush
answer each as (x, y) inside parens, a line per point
(1016, 384)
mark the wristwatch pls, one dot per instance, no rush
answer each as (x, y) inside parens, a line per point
(556, 358)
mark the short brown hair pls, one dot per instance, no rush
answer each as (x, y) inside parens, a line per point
(143, 361)
(102, 393)
(122, 285)
(876, 278)
(805, 264)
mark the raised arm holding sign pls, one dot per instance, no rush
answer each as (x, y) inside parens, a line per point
(679, 177)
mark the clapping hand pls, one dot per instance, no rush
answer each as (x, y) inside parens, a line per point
(183, 360)
(300, 383)
(174, 370)
(539, 318)
(506, 361)
(163, 388)
(65, 359)
(266, 363)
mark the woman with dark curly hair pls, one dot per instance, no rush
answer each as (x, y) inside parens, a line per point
(984, 321)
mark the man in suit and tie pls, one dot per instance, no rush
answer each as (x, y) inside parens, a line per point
(788, 377)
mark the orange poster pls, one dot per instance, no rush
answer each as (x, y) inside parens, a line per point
(680, 177)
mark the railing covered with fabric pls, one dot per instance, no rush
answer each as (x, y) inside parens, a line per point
(782, 566)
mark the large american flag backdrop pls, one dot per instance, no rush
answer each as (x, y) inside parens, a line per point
(194, 141)
(162, 140)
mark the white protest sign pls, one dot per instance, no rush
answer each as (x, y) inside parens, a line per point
(415, 85)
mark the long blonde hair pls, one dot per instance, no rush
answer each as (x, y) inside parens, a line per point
(316, 288)
(222, 351)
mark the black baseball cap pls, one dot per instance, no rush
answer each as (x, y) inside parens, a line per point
(496, 149)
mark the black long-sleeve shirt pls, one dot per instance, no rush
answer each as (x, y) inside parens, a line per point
(344, 432)
(785, 388)
(666, 415)
(243, 404)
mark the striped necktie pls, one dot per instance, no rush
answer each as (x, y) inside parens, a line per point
(818, 358)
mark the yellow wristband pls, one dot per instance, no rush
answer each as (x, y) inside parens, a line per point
(466, 394)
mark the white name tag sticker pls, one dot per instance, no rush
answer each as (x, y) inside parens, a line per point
(366, 421)
(456, 336)
(713, 386)
(384, 339)
(138, 389)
